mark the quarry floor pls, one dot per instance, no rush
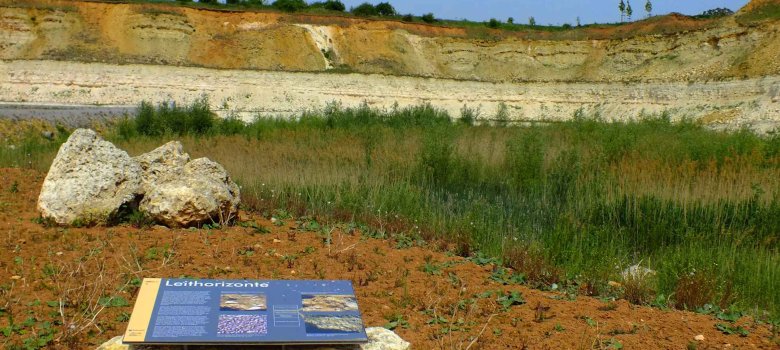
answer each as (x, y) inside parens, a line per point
(448, 307)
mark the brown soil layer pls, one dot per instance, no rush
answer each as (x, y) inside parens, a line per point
(76, 266)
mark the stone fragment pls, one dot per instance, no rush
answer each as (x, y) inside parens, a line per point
(114, 343)
(202, 193)
(89, 180)
(380, 338)
(699, 337)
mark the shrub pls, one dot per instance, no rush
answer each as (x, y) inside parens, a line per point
(335, 5)
(716, 13)
(694, 290)
(289, 5)
(468, 115)
(408, 18)
(493, 23)
(385, 9)
(638, 289)
(169, 118)
(502, 115)
(428, 18)
(529, 260)
(365, 9)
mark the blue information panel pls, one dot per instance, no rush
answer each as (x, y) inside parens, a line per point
(190, 311)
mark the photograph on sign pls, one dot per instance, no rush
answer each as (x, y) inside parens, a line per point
(325, 302)
(191, 311)
(242, 302)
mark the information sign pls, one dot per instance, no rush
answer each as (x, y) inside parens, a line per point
(247, 312)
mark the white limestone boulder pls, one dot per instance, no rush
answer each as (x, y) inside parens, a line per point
(89, 180)
(163, 164)
(202, 193)
(380, 338)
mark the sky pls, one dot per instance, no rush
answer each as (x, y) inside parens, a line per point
(548, 11)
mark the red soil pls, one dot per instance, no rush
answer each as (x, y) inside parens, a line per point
(77, 265)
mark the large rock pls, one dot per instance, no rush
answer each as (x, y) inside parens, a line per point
(163, 164)
(202, 192)
(89, 180)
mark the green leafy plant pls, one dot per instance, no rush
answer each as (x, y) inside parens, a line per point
(510, 299)
(731, 329)
(396, 320)
(505, 277)
(113, 301)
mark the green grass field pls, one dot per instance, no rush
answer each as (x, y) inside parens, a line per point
(569, 205)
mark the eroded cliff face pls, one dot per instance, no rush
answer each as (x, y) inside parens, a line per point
(160, 34)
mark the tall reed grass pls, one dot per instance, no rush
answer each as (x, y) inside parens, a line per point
(571, 203)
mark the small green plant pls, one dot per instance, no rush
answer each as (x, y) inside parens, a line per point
(256, 228)
(140, 219)
(50, 270)
(505, 277)
(113, 301)
(290, 260)
(123, 316)
(14, 187)
(246, 251)
(591, 322)
(509, 299)
(437, 320)
(482, 259)
(396, 320)
(430, 268)
(731, 329)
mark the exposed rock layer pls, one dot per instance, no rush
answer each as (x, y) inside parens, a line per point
(671, 48)
(753, 102)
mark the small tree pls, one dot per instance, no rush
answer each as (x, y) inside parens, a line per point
(365, 9)
(510, 20)
(385, 9)
(532, 21)
(629, 10)
(579, 24)
(716, 12)
(622, 8)
(289, 5)
(335, 5)
(408, 18)
(649, 8)
(428, 18)
(493, 23)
